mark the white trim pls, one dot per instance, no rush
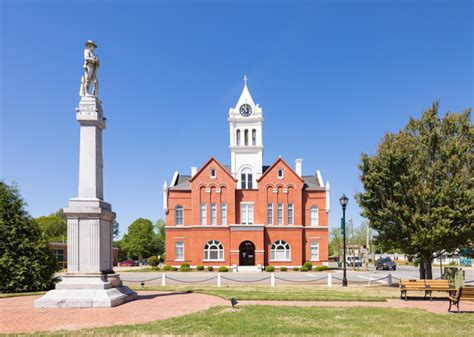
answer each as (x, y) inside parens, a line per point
(213, 260)
(281, 260)
(320, 178)
(175, 179)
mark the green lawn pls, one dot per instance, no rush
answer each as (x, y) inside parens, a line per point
(5, 295)
(311, 321)
(289, 293)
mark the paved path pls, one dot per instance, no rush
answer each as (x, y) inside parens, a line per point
(18, 315)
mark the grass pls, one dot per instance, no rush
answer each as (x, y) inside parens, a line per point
(289, 293)
(311, 321)
(6, 295)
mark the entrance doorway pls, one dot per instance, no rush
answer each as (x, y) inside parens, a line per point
(247, 254)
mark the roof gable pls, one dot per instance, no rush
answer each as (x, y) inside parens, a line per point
(207, 164)
(274, 165)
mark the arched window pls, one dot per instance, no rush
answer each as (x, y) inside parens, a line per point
(179, 215)
(280, 251)
(254, 137)
(313, 216)
(246, 179)
(246, 137)
(237, 137)
(213, 250)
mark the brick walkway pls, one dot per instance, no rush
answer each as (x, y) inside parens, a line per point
(17, 314)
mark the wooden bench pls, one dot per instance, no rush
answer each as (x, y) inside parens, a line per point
(428, 286)
(462, 294)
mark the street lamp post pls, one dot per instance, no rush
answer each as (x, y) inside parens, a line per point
(344, 200)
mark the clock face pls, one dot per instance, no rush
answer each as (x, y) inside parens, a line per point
(245, 110)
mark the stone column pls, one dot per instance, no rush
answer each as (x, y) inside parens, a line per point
(90, 280)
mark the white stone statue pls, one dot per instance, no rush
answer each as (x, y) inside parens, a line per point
(91, 67)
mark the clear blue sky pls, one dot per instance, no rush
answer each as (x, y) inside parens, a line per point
(331, 76)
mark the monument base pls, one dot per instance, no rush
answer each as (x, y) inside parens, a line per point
(87, 291)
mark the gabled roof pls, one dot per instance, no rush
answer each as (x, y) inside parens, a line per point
(182, 183)
(206, 164)
(245, 97)
(312, 183)
(279, 160)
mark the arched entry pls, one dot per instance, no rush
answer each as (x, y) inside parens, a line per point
(247, 254)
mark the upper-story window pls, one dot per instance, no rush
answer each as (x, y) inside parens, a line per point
(213, 173)
(203, 214)
(290, 214)
(313, 216)
(223, 213)
(238, 137)
(254, 137)
(213, 213)
(246, 213)
(280, 173)
(269, 214)
(246, 137)
(280, 214)
(179, 215)
(246, 179)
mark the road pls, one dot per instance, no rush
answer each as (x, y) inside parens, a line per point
(282, 278)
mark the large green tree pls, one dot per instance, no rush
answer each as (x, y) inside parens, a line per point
(418, 187)
(53, 226)
(26, 261)
(138, 242)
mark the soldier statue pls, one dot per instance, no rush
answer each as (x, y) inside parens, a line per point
(91, 66)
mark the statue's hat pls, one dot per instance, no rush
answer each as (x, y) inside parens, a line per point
(90, 42)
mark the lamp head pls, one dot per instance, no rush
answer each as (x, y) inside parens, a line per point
(344, 201)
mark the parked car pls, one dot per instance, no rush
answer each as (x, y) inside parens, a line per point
(353, 261)
(385, 263)
(128, 263)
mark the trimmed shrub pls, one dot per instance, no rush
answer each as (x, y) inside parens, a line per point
(318, 268)
(304, 268)
(283, 269)
(223, 269)
(185, 265)
(184, 269)
(270, 269)
(200, 267)
(174, 269)
(308, 265)
(325, 267)
(296, 268)
(155, 268)
(153, 261)
(210, 268)
(167, 268)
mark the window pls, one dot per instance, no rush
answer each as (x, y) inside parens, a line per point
(203, 214)
(254, 137)
(223, 214)
(213, 250)
(313, 216)
(213, 213)
(314, 251)
(290, 214)
(269, 214)
(246, 137)
(280, 251)
(280, 173)
(59, 253)
(246, 213)
(179, 215)
(213, 173)
(237, 137)
(280, 214)
(246, 179)
(179, 246)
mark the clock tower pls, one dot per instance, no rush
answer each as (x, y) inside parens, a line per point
(246, 146)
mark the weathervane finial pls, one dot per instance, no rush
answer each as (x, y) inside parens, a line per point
(245, 79)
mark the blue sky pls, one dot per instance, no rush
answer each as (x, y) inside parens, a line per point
(331, 76)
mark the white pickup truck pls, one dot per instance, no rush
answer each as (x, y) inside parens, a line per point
(353, 261)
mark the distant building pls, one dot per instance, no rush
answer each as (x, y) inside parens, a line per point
(60, 251)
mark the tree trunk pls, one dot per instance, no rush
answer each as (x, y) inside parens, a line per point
(429, 271)
(422, 270)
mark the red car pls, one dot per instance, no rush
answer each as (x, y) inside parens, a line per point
(128, 263)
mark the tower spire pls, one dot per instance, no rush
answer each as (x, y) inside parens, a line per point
(245, 80)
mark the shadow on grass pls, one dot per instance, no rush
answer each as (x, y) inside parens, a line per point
(152, 296)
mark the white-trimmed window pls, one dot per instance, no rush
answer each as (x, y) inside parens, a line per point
(213, 173)
(213, 250)
(213, 213)
(203, 214)
(254, 137)
(314, 251)
(179, 250)
(246, 213)
(179, 215)
(280, 173)
(246, 137)
(280, 213)
(269, 214)
(224, 214)
(313, 216)
(290, 214)
(246, 180)
(280, 251)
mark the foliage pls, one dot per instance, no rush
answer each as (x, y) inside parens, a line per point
(308, 265)
(138, 242)
(418, 187)
(210, 268)
(166, 268)
(296, 268)
(53, 226)
(270, 269)
(185, 267)
(318, 268)
(115, 230)
(174, 269)
(159, 240)
(325, 267)
(283, 269)
(27, 262)
(304, 268)
(200, 267)
(153, 261)
(223, 269)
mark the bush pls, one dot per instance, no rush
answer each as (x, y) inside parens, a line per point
(296, 268)
(304, 268)
(210, 268)
(283, 269)
(155, 268)
(223, 269)
(200, 267)
(153, 261)
(185, 269)
(318, 268)
(185, 265)
(325, 267)
(308, 265)
(166, 268)
(174, 269)
(270, 269)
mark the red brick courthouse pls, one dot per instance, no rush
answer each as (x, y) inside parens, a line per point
(246, 214)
